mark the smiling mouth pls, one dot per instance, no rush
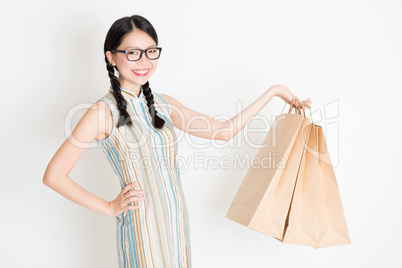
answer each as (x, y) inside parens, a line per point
(141, 72)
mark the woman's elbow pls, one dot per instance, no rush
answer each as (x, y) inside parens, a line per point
(48, 177)
(223, 136)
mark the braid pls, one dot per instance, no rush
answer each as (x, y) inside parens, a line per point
(124, 117)
(157, 122)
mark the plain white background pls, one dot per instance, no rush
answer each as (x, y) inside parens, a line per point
(344, 55)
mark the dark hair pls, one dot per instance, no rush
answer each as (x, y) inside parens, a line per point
(114, 37)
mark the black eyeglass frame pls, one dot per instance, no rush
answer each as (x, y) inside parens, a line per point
(142, 52)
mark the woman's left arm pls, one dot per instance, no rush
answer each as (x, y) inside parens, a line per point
(204, 126)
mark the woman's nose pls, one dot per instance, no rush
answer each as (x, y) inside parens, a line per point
(144, 60)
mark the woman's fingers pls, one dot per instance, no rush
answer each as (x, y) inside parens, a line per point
(295, 101)
(131, 207)
(134, 198)
(128, 187)
(306, 102)
(134, 193)
(131, 196)
(125, 197)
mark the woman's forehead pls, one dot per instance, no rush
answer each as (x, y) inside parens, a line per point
(137, 39)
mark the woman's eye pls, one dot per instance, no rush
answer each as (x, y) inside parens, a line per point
(132, 52)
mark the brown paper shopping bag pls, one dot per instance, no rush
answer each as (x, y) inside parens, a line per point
(316, 217)
(263, 199)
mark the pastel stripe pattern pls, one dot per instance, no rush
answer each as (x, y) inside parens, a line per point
(157, 234)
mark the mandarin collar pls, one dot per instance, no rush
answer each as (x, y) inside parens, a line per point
(131, 95)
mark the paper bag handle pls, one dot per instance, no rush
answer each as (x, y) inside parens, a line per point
(298, 108)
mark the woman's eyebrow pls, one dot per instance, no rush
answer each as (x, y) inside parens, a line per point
(139, 47)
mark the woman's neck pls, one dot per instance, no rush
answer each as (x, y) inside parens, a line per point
(136, 89)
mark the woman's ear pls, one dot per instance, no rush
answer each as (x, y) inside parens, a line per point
(110, 58)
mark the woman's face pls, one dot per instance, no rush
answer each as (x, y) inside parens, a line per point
(133, 74)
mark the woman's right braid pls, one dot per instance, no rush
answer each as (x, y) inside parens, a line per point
(157, 121)
(124, 117)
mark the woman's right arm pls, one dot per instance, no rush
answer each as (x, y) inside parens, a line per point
(94, 123)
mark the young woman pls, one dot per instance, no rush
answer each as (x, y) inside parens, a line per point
(135, 128)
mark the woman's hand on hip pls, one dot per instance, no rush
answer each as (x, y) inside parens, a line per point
(123, 200)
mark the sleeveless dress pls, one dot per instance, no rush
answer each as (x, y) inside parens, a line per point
(157, 234)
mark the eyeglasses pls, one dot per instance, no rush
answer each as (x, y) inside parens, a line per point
(136, 54)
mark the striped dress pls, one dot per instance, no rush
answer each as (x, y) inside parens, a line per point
(157, 234)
